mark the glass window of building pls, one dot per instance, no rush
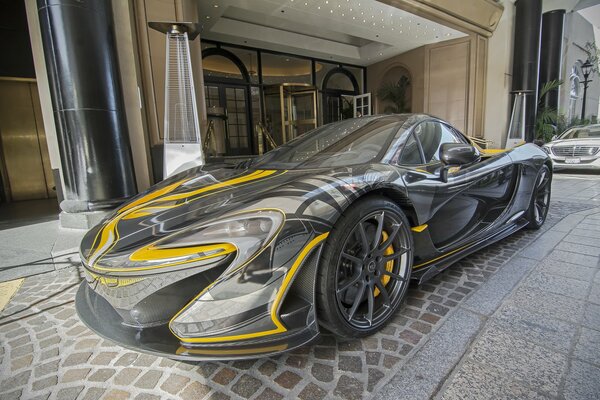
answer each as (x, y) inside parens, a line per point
(217, 66)
(249, 58)
(277, 68)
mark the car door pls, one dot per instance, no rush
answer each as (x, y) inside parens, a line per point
(471, 201)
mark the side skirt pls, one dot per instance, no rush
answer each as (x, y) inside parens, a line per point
(426, 273)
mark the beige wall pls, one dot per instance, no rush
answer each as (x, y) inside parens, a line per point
(448, 80)
(455, 82)
(131, 82)
(414, 62)
(498, 80)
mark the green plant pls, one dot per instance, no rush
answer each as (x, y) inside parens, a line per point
(563, 123)
(394, 94)
(547, 117)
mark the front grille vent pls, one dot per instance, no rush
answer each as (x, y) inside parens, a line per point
(575, 151)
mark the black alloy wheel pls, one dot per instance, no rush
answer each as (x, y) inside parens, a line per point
(369, 261)
(540, 199)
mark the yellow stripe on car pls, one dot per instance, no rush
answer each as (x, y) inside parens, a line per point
(109, 234)
(274, 308)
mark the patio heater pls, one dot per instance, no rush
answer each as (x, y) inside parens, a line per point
(182, 142)
(516, 127)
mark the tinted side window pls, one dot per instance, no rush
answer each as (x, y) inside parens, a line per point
(432, 135)
(411, 155)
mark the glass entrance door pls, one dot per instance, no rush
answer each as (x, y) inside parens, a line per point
(233, 100)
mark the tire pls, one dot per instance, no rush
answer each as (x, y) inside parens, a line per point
(540, 199)
(384, 270)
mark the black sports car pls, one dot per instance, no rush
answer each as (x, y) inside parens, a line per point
(324, 231)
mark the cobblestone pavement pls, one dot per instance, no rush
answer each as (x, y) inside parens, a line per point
(48, 353)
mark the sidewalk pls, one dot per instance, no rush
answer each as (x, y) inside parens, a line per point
(531, 331)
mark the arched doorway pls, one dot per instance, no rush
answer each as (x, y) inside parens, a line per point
(338, 86)
(227, 91)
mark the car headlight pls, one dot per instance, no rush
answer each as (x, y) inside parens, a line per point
(546, 149)
(243, 234)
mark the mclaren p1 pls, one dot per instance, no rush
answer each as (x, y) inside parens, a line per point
(324, 232)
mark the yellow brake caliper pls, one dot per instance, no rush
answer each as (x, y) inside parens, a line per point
(389, 266)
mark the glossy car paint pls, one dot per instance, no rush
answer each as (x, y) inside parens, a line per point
(138, 306)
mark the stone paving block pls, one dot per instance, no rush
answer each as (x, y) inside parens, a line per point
(591, 316)
(546, 303)
(269, 394)
(149, 379)
(574, 258)
(565, 269)
(246, 386)
(586, 240)
(102, 375)
(420, 376)
(349, 388)
(13, 395)
(116, 394)
(71, 393)
(594, 296)
(588, 346)
(93, 393)
(44, 383)
(535, 365)
(589, 226)
(147, 396)
(586, 232)
(579, 248)
(312, 392)
(491, 294)
(582, 382)
(558, 284)
(175, 383)
(73, 375)
(322, 372)
(539, 249)
(481, 381)
(126, 376)
(534, 327)
(288, 379)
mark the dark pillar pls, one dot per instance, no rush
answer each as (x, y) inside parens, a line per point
(551, 54)
(526, 52)
(81, 59)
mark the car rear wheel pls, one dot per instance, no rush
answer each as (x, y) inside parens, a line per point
(540, 199)
(365, 268)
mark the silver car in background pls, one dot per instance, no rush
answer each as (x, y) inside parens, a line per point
(576, 148)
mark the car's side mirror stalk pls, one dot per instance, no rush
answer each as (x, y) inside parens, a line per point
(456, 155)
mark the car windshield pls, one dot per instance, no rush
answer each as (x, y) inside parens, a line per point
(586, 132)
(350, 142)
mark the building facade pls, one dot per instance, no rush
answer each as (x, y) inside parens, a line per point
(268, 71)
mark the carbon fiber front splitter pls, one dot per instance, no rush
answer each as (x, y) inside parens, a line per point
(100, 317)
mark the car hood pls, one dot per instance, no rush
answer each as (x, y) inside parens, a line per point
(575, 142)
(199, 195)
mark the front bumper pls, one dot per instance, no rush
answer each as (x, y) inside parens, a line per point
(585, 163)
(158, 340)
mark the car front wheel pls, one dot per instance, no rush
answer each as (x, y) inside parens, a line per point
(365, 268)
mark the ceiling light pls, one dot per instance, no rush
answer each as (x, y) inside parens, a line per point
(217, 6)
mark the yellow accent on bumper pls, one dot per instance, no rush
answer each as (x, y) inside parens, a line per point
(419, 228)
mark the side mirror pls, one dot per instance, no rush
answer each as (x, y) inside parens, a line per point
(456, 155)
(553, 137)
